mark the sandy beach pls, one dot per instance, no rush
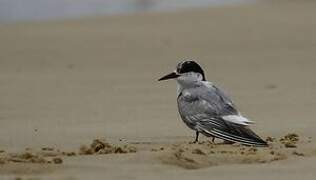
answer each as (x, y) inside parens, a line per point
(66, 83)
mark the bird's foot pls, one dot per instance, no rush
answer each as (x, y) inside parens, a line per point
(212, 141)
(193, 142)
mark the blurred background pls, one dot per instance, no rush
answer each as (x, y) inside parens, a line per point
(73, 70)
(21, 10)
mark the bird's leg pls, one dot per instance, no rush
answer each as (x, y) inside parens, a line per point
(196, 137)
(213, 139)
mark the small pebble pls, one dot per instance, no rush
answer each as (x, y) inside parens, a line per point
(57, 160)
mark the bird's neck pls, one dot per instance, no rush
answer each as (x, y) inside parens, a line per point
(183, 85)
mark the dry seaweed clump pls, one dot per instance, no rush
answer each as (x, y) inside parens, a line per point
(103, 147)
(270, 139)
(184, 159)
(2, 160)
(28, 157)
(194, 156)
(57, 160)
(198, 151)
(290, 140)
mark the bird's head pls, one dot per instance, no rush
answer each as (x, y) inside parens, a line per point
(186, 71)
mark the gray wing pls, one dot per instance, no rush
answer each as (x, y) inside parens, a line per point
(206, 99)
(203, 108)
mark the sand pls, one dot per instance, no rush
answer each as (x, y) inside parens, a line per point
(64, 84)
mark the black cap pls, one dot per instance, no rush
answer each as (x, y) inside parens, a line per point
(190, 66)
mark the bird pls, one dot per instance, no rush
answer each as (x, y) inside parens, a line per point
(207, 109)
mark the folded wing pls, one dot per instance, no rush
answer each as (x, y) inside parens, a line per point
(212, 113)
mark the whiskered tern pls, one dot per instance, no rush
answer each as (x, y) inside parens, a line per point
(206, 109)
